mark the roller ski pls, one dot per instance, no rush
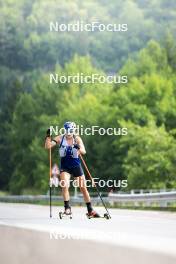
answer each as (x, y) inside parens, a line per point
(94, 214)
(66, 214)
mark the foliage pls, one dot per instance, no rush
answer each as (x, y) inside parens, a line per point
(146, 105)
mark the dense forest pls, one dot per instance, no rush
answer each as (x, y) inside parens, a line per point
(146, 106)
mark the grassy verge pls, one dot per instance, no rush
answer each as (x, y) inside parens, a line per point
(170, 208)
(3, 193)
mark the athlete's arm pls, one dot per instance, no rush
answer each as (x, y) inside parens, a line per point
(50, 143)
(82, 149)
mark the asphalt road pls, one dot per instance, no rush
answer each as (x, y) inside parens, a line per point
(28, 235)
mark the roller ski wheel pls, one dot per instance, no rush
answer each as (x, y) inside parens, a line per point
(107, 216)
(66, 213)
(96, 215)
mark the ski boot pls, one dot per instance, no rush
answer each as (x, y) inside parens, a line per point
(66, 213)
(92, 214)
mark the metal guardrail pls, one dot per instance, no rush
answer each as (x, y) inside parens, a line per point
(146, 199)
(162, 199)
(28, 198)
(39, 198)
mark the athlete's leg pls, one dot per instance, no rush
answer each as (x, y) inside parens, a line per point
(82, 185)
(65, 182)
(83, 188)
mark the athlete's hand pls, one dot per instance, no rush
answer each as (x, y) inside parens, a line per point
(48, 133)
(76, 146)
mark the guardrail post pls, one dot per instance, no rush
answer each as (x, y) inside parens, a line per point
(163, 204)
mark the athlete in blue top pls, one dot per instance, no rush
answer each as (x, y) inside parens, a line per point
(70, 146)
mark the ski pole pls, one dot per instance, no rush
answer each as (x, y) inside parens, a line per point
(50, 184)
(90, 176)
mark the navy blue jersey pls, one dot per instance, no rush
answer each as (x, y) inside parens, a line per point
(69, 155)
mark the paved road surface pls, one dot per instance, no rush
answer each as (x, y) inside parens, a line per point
(28, 235)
